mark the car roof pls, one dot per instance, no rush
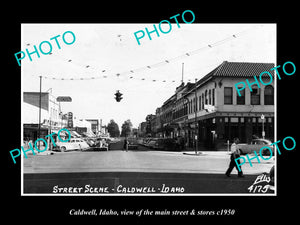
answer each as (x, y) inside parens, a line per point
(261, 139)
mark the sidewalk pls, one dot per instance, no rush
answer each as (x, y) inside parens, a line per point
(203, 149)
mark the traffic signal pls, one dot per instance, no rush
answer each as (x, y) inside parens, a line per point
(118, 96)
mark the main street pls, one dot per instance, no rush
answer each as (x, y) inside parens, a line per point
(202, 173)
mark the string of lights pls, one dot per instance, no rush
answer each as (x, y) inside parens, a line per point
(133, 73)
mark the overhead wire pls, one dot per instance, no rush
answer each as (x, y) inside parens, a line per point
(131, 74)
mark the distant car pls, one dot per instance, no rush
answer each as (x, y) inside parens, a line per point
(159, 144)
(166, 144)
(256, 145)
(152, 143)
(90, 142)
(72, 144)
(145, 141)
(132, 143)
(101, 144)
(140, 141)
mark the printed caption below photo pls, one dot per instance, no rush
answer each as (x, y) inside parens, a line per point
(148, 212)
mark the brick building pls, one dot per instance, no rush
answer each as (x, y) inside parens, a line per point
(211, 111)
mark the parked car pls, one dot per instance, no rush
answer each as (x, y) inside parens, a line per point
(159, 144)
(132, 143)
(89, 141)
(166, 144)
(101, 144)
(151, 143)
(256, 145)
(145, 141)
(148, 142)
(72, 144)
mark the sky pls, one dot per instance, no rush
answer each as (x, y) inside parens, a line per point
(111, 54)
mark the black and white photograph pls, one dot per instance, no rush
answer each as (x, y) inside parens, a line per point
(146, 113)
(176, 108)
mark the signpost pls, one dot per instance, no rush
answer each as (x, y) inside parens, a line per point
(263, 130)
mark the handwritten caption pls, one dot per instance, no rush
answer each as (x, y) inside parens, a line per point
(88, 189)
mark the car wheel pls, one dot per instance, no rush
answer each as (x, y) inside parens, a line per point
(63, 148)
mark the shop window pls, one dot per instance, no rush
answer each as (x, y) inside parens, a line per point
(240, 100)
(269, 95)
(234, 119)
(227, 95)
(255, 95)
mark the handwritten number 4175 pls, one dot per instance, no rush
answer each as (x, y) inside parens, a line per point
(258, 188)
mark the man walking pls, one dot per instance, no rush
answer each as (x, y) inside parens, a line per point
(125, 145)
(235, 153)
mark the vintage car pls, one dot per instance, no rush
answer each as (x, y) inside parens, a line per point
(72, 144)
(256, 145)
(132, 143)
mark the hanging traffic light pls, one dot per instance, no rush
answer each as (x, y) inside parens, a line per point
(118, 96)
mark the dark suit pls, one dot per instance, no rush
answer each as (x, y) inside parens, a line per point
(232, 164)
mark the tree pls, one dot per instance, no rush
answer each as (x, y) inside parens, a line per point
(126, 128)
(113, 128)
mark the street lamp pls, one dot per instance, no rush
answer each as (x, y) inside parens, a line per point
(185, 110)
(40, 107)
(263, 130)
(195, 109)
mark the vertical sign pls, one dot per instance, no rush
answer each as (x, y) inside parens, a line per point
(70, 120)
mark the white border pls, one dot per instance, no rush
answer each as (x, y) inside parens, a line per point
(156, 194)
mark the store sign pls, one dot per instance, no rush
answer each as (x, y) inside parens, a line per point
(70, 119)
(64, 99)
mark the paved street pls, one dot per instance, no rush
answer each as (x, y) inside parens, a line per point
(148, 166)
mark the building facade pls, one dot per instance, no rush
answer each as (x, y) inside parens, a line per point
(95, 125)
(52, 118)
(210, 112)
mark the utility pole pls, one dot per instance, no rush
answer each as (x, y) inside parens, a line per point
(263, 130)
(182, 73)
(40, 106)
(195, 108)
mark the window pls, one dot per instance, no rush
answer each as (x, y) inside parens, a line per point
(240, 100)
(206, 102)
(200, 102)
(194, 104)
(269, 95)
(213, 96)
(255, 95)
(209, 97)
(227, 95)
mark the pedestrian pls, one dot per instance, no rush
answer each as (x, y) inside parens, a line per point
(235, 153)
(125, 145)
(182, 144)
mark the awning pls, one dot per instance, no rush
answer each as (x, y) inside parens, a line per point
(89, 134)
(74, 134)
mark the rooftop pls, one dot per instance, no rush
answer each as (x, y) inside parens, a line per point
(239, 69)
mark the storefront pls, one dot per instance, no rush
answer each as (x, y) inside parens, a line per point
(31, 132)
(213, 133)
